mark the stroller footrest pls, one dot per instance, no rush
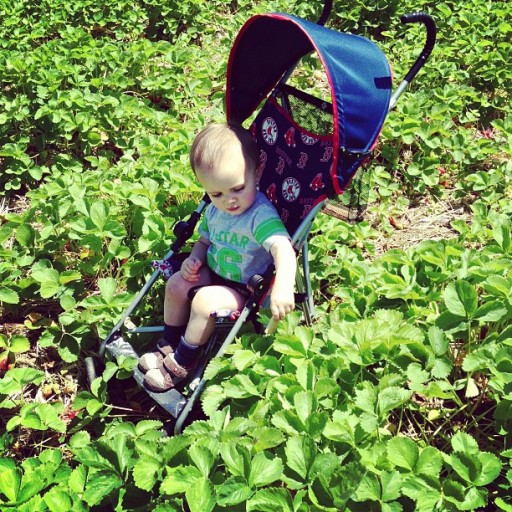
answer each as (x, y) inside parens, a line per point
(172, 401)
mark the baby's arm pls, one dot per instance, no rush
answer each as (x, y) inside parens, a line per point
(282, 299)
(190, 267)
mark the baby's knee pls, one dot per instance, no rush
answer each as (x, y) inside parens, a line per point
(203, 302)
(176, 286)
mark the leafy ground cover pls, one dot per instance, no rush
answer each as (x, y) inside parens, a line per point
(398, 398)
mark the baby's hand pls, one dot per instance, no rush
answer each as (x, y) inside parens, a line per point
(190, 269)
(282, 301)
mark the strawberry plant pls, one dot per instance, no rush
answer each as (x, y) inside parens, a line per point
(398, 396)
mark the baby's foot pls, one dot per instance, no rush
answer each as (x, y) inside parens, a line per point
(159, 379)
(150, 361)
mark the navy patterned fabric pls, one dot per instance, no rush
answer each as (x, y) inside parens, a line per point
(296, 163)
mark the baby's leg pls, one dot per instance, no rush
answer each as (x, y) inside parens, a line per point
(177, 365)
(201, 324)
(177, 303)
(177, 308)
(208, 299)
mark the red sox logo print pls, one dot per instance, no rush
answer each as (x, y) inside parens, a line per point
(308, 139)
(306, 210)
(327, 154)
(317, 183)
(263, 160)
(303, 160)
(269, 131)
(271, 193)
(289, 137)
(290, 189)
(280, 165)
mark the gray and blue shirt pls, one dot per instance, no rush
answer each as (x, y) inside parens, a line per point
(240, 244)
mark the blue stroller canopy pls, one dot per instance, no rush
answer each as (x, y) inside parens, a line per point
(358, 73)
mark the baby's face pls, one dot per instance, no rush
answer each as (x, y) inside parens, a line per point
(231, 184)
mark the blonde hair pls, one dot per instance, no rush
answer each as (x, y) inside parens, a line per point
(218, 139)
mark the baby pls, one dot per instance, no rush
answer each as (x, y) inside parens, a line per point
(240, 235)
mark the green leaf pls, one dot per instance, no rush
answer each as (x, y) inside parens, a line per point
(264, 470)
(99, 214)
(243, 359)
(212, 398)
(241, 386)
(122, 451)
(288, 422)
(463, 498)
(49, 416)
(17, 378)
(305, 404)
(449, 322)
(369, 489)
(267, 437)
(289, 346)
(147, 426)
(438, 341)
(442, 368)
(19, 344)
(491, 468)
(465, 466)
(492, 311)
(300, 454)
(25, 235)
(464, 443)
(77, 479)
(200, 496)
(100, 485)
(10, 479)
(107, 287)
(403, 452)
(69, 275)
(366, 397)
(391, 485)
(430, 462)
(233, 491)
(57, 500)
(202, 457)
(237, 458)
(145, 473)
(501, 234)
(271, 500)
(461, 299)
(48, 289)
(9, 296)
(498, 286)
(80, 439)
(503, 505)
(391, 398)
(179, 479)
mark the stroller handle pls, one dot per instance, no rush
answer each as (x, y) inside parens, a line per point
(325, 13)
(430, 25)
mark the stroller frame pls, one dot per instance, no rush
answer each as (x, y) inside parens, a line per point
(173, 401)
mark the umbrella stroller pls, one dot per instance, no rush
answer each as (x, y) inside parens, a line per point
(310, 149)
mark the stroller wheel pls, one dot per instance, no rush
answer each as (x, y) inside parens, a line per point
(90, 370)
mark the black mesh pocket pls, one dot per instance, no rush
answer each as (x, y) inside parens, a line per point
(312, 114)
